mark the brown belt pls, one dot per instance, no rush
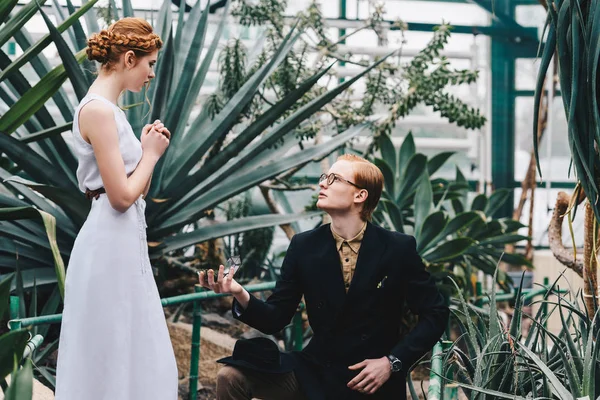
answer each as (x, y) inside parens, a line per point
(94, 194)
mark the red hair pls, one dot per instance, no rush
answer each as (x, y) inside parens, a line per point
(126, 34)
(369, 177)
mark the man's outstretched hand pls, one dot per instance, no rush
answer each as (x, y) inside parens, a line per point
(374, 374)
(223, 283)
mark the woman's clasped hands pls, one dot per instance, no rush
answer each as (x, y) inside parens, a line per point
(155, 138)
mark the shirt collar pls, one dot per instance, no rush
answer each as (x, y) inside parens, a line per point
(354, 243)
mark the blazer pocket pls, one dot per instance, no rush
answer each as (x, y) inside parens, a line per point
(381, 283)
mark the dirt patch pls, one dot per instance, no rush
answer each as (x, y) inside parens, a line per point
(213, 346)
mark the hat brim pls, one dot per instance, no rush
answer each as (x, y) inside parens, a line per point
(287, 365)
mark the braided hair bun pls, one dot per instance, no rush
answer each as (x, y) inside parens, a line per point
(126, 34)
(99, 46)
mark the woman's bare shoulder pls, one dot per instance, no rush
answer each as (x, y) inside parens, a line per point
(95, 111)
(96, 117)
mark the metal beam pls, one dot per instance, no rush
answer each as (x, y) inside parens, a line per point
(527, 3)
(342, 33)
(465, 54)
(503, 115)
(553, 185)
(500, 31)
(508, 21)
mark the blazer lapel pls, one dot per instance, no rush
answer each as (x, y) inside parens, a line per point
(331, 270)
(367, 267)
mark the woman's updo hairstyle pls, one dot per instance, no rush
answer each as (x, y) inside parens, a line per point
(126, 34)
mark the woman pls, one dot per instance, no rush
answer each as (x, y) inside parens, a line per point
(114, 342)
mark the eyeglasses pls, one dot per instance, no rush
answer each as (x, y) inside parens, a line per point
(335, 177)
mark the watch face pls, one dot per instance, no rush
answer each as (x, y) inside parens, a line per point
(395, 364)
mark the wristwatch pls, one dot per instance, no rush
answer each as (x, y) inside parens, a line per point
(395, 363)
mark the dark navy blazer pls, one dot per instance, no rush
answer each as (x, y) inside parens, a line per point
(363, 323)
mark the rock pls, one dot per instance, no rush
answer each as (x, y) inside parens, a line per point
(184, 388)
(229, 316)
(254, 333)
(214, 320)
(207, 392)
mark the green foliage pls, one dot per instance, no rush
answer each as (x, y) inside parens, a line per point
(252, 246)
(492, 359)
(454, 235)
(263, 107)
(398, 88)
(49, 223)
(426, 77)
(21, 387)
(265, 12)
(233, 63)
(12, 345)
(107, 12)
(200, 169)
(573, 29)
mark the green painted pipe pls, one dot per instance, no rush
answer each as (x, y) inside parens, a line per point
(478, 294)
(14, 307)
(186, 298)
(195, 356)
(42, 320)
(32, 344)
(435, 377)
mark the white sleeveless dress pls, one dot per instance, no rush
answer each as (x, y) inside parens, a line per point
(114, 343)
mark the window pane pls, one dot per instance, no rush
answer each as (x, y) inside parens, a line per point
(555, 167)
(534, 15)
(526, 73)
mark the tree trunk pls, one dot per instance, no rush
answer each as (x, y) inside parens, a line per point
(565, 256)
(287, 228)
(590, 260)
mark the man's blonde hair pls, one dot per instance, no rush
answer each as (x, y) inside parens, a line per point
(369, 177)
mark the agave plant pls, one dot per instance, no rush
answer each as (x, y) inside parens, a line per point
(25, 217)
(13, 343)
(572, 33)
(187, 185)
(454, 234)
(492, 360)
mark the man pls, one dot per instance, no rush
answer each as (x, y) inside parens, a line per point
(355, 278)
